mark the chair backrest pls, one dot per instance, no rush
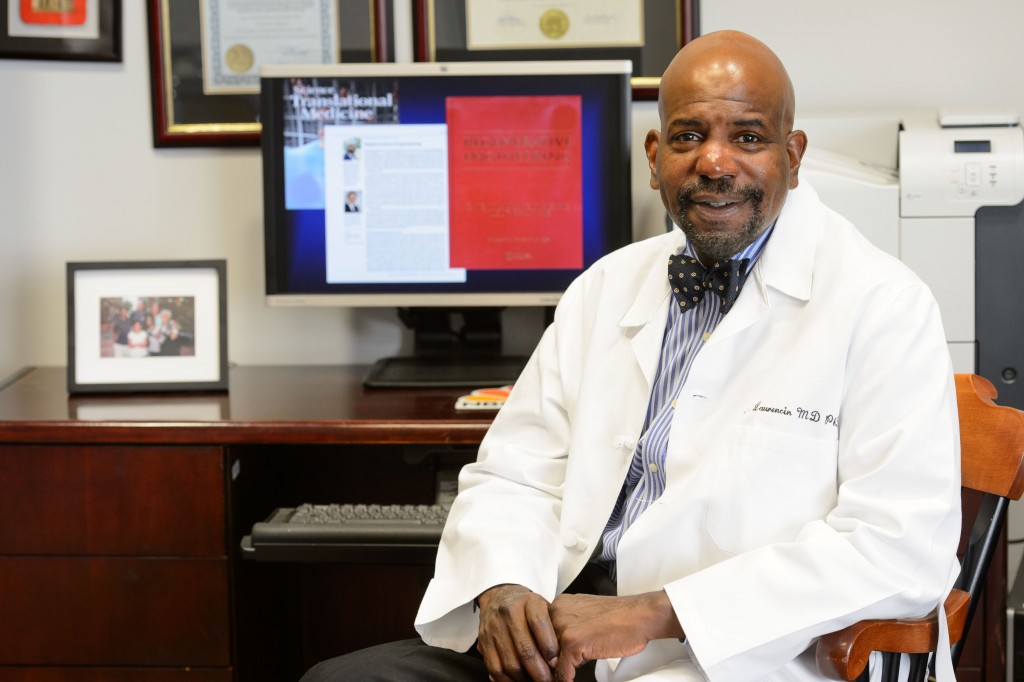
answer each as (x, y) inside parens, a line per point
(992, 466)
(992, 463)
(991, 439)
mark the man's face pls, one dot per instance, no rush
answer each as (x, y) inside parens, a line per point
(724, 159)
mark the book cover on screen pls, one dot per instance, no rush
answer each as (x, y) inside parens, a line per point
(516, 188)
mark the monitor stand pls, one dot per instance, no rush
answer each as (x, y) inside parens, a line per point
(448, 355)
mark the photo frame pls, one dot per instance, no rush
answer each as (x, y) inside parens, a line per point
(147, 326)
(184, 115)
(80, 30)
(440, 28)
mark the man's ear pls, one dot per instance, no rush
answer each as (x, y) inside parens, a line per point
(651, 147)
(796, 145)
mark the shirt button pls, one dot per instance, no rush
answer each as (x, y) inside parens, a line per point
(652, 467)
(674, 404)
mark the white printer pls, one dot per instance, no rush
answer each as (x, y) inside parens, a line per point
(961, 183)
(955, 200)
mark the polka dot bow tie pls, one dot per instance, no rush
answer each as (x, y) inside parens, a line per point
(690, 280)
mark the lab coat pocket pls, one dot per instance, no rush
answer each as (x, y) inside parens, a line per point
(767, 485)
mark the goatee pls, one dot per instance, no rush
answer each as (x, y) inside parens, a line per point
(725, 244)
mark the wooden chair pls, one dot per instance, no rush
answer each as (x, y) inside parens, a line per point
(992, 462)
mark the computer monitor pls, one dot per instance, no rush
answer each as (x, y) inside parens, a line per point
(447, 190)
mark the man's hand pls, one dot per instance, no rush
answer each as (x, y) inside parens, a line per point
(591, 627)
(516, 639)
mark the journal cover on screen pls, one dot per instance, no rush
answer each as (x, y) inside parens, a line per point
(516, 194)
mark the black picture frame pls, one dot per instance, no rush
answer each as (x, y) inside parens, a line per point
(178, 345)
(20, 39)
(184, 116)
(440, 36)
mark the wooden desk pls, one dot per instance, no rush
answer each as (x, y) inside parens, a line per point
(119, 550)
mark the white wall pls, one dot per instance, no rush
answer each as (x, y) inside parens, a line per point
(80, 179)
(883, 57)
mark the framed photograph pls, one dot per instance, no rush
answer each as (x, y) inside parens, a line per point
(647, 32)
(205, 57)
(147, 326)
(82, 30)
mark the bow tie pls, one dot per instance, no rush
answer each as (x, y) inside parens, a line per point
(690, 280)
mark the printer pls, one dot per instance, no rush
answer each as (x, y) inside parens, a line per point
(953, 210)
(961, 229)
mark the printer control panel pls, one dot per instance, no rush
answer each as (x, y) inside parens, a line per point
(953, 171)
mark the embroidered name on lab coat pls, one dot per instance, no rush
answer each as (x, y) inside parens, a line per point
(801, 413)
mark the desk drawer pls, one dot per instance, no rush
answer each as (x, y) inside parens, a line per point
(114, 611)
(114, 675)
(112, 500)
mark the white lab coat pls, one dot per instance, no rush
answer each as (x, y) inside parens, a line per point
(812, 469)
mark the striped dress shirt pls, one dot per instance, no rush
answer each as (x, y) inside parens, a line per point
(685, 334)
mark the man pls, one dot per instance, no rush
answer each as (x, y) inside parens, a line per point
(753, 470)
(352, 203)
(121, 326)
(172, 342)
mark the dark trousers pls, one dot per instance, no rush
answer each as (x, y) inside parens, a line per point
(412, 660)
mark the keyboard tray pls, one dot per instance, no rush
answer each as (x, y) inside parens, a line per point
(356, 540)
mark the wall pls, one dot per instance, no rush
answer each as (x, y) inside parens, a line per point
(883, 57)
(80, 179)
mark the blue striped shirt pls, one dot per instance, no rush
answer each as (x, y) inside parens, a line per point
(685, 333)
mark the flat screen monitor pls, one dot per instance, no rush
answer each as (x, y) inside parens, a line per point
(436, 188)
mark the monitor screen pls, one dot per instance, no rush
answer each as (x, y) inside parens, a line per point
(462, 184)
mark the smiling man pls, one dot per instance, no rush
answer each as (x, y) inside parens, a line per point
(727, 153)
(734, 437)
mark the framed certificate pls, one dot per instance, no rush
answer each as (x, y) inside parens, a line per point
(82, 30)
(239, 38)
(205, 57)
(647, 32)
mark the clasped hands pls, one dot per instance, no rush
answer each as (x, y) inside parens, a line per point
(523, 637)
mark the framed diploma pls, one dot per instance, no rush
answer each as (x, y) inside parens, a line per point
(84, 30)
(205, 57)
(647, 32)
(240, 37)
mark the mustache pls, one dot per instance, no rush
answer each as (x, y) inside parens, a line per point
(718, 186)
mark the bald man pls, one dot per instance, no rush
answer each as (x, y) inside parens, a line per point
(734, 437)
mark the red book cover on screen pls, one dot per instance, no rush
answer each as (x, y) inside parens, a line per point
(516, 186)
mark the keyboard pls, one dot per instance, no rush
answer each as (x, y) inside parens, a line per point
(311, 531)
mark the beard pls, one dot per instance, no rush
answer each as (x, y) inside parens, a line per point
(720, 245)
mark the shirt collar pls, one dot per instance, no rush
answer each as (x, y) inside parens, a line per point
(753, 251)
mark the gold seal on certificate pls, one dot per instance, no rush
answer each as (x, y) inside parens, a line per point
(554, 23)
(239, 58)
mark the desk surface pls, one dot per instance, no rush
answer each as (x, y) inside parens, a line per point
(293, 404)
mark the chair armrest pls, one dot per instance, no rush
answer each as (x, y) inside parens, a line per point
(843, 655)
